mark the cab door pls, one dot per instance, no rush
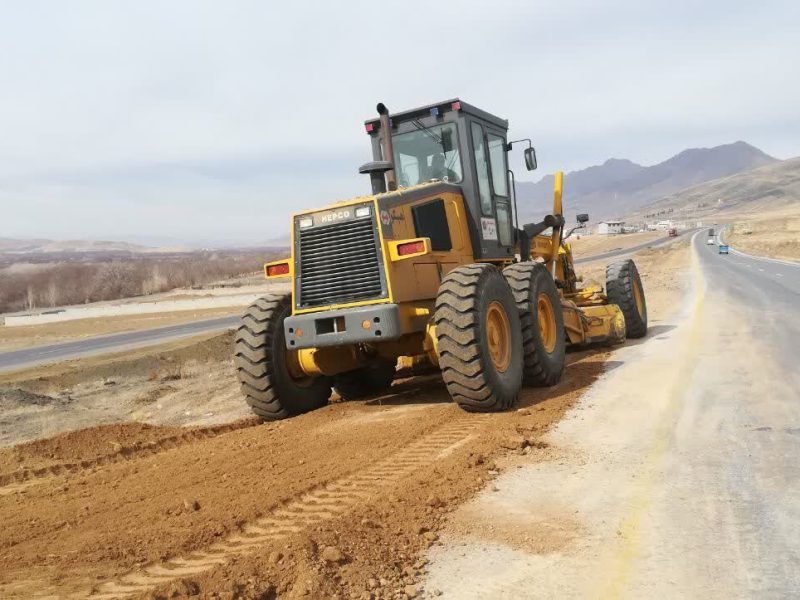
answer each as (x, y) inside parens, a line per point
(496, 229)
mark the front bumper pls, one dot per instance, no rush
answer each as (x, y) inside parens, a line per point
(344, 326)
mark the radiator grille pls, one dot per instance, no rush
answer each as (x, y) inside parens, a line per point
(339, 263)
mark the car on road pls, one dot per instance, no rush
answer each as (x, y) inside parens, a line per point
(723, 248)
(710, 242)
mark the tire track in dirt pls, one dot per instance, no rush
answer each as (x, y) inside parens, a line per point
(312, 507)
(23, 478)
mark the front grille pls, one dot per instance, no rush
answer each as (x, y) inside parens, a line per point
(339, 263)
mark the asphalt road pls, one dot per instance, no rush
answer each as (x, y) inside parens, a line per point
(633, 249)
(676, 476)
(29, 357)
(37, 355)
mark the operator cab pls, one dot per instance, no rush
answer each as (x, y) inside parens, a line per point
(457, 144)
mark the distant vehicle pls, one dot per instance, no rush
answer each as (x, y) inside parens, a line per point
(673, 232)
(723, 248)
(710, 242)
(711, 233)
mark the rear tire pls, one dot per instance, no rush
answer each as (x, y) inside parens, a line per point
(479, 338)
(260, 357)
(364, 382)
(624, 288)
(544, 341)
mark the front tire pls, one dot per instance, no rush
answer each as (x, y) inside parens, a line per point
(544, 342)
(260, 356)
(624, 288)
(479, 339)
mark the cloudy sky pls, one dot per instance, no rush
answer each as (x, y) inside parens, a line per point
(211, 121)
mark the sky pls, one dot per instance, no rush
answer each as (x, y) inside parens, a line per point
(210, 122)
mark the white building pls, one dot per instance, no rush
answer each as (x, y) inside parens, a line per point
(664, 225)
(610, 227)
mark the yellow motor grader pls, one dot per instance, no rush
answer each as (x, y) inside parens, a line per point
(432, 263)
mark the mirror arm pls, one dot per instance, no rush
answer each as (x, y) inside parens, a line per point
(509, 144)
(514, 191)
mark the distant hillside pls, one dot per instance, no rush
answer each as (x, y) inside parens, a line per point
(619, 186)
(39, 246)
(772, 186)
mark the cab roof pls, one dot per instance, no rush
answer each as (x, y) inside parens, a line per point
(454, 104)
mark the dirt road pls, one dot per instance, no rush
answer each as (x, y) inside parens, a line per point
(343, 502)
(675, 476)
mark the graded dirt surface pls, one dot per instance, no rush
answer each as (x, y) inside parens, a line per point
(343, 502)
(772, 233)
(252, 511)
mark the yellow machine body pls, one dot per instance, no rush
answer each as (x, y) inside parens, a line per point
(413, 273)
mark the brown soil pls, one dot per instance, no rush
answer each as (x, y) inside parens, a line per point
(217, 511)
(338, 503)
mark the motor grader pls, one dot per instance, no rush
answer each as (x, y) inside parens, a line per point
(432, 265)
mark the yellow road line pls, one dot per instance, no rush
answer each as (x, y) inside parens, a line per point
(626, 552)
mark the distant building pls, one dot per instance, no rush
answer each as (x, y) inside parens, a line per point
(665, 225)
(610, 227)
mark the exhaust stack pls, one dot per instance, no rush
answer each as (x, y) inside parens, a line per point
(388, 150)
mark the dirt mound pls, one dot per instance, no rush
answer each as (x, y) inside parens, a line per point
(338, 502)
(11, 398)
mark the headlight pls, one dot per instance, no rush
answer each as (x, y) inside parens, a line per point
(363, 211)
(305, 222)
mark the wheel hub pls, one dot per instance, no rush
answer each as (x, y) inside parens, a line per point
(547, 322)
(498, 334)
(637, 295)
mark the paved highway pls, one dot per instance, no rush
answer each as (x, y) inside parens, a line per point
(633, 249)
(677, 476)
(29, 357)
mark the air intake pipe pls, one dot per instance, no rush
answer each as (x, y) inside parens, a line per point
(388, 150)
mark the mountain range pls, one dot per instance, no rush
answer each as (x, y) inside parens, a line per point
(761, 190)
(620, 186)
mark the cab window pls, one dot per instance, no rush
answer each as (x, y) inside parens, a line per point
(428, 153)
(482, 168)
(497, 157)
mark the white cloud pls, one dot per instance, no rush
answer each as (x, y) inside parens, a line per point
(201, 119)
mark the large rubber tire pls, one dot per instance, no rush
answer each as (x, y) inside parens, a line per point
(468, 298)
(544, 342)
(624, 288)
(260, 359)
(367, 381)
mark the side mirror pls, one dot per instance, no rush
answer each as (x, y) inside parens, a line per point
(583, 218)
(530, 159)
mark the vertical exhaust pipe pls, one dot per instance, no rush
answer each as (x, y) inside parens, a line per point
(388, 149)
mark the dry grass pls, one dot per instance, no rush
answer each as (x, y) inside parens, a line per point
(52, 282)
(773, 233)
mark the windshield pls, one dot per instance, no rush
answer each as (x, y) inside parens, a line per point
(428, 153)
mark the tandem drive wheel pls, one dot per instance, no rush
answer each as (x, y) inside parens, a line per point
(479, 338)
